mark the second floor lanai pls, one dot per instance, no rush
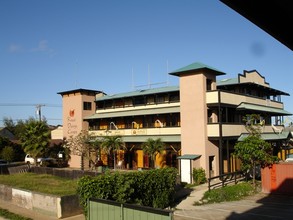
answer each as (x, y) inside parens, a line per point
(137, 110)
(226, 103)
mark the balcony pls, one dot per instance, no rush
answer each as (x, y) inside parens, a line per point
(139, 131)
(233, 130)
(236, 99)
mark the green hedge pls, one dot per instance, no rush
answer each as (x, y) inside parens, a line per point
(153, 188)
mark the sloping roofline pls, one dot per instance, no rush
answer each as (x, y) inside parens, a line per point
(139, 93)
(196, 67)
(236, 81)
(89, 91)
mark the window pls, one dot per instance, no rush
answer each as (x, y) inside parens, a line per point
(174, 97)
(160, 99)
(209, 84)
(87, 106)
(139, 100)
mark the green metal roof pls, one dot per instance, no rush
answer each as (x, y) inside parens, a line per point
(151, 111)
(140, 93)
(196, 66)
(189, 157)
(230, 81)
(269, 136)
(260, 108)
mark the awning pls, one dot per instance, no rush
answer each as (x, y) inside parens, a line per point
(260, 108)
(269, 136)
(189, 157)
(152, 111)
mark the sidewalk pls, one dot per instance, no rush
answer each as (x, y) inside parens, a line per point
(33, 214)
(195, 196)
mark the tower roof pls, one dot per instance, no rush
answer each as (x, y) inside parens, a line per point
(194, 68)
(83, 91)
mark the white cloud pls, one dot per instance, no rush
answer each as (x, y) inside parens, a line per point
(43, 47)
(14, 48)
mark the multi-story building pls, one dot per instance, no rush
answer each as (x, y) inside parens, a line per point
(200, 121)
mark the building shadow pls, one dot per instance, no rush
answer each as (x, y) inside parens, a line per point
(278, 204)
(181, 193)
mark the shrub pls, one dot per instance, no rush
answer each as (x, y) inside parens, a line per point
(153, 188)
(8, 154)
(199, 176)
(228, 193)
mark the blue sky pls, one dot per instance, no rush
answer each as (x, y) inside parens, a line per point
(114, 46)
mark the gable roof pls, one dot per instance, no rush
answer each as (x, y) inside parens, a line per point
(4, 132)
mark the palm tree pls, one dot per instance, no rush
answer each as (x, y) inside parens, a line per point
(35, 137)
(96, 146)
(114, 144)
(152, 147)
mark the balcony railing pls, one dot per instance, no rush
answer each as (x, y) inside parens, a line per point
(236, 99)
(138, 131)
(229, 130)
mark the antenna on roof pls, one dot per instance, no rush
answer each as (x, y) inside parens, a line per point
(149, 78)
(132, 79)
(167, 73)
(149, 84)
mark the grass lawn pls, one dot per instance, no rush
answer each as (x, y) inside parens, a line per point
(42, 183)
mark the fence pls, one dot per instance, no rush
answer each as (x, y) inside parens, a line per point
(13, 168)
(101, 209)
(278, 178)
(61, 172)
(225, 179)
(65, 173)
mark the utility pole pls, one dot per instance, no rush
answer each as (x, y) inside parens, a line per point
(39, 111)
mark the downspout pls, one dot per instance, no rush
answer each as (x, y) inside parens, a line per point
(220, 135)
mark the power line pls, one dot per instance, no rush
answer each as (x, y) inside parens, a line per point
(37, 106)
(30, 104)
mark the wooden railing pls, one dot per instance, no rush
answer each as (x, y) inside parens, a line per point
(225, 179)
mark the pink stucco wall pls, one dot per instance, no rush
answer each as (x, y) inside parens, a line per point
(73, 115)
(193, 108)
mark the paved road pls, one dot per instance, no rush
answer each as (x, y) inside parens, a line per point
(258, 207)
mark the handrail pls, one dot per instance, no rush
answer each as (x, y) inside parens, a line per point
(225, 179)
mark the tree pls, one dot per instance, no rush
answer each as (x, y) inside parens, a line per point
(152, 147)
(17, 149)
(112, 144)
(254, 151)
(8, 154)
(35, 137)
(253, 124)
(15, 128)
(96, 145)
(4, 141)
(80, 145)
